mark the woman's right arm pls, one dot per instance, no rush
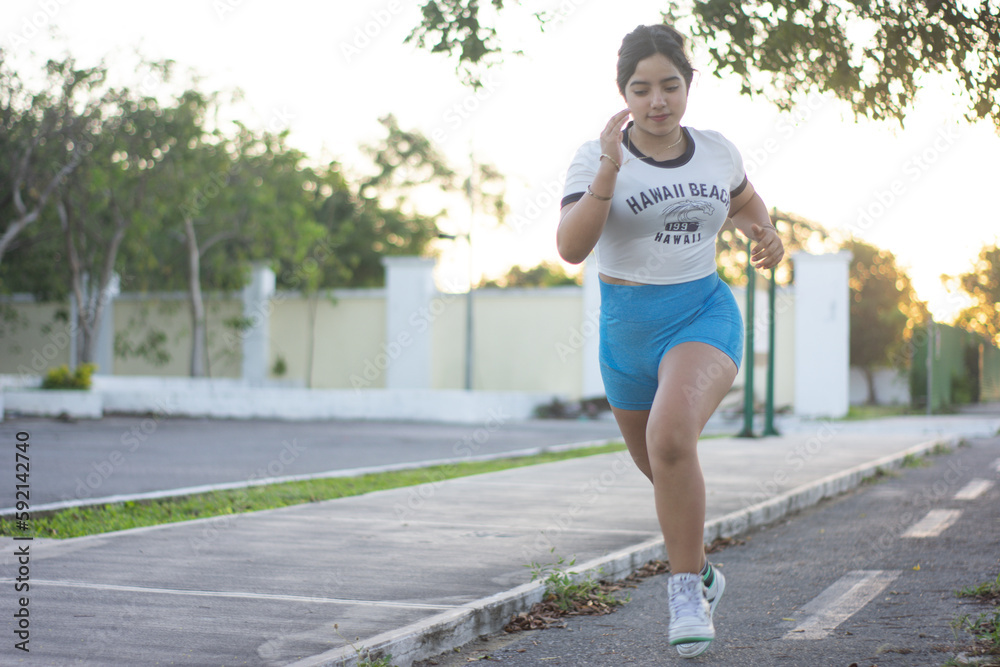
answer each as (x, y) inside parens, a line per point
(582, 222)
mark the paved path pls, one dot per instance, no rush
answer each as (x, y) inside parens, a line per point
(790, 599)
(412, 570)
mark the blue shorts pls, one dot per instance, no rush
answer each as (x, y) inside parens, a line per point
(639, 323)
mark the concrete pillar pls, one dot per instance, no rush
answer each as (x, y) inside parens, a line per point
(257, 310)
(409, 285)
(822, 334)
(592, 383)
(104, 351)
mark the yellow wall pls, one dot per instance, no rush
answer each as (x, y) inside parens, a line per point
(32, 339)
(136, 316)
(525, 339)
(348, 331)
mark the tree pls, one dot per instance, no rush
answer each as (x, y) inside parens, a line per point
(785, 48)
(546, 274)
(982, 284)
(44, 138)
(796, 232)
(870, 53)
(111, 196)
(244, 200)
(884, 310)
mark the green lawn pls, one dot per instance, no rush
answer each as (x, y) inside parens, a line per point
(96, 519)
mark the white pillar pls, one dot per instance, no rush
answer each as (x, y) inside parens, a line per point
(257, 310)
(593, 385)
(104, 350)
(409, 285)
(822, 334)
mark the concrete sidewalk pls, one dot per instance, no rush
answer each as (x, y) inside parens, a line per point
(412, 571)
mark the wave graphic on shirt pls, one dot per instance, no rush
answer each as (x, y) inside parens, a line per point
(686, 216)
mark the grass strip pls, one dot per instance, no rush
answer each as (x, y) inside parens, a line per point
(97, 519)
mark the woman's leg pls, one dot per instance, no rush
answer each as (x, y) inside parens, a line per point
(663, 442)
(632, 424)
(693, 379)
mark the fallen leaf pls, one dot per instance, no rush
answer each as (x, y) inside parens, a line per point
(916, 567)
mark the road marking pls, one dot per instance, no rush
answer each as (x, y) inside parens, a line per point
(239, 595)
(935, 523)
(973, 489)
(840, 601)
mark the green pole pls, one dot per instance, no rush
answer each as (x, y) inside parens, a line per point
(747, 431)
(769, 401)
(930, 366)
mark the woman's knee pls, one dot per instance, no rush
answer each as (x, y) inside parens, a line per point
(669, 444)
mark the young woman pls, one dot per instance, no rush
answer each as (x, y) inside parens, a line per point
(651, 197)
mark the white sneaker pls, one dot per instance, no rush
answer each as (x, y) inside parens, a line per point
(713, 593)
(690, 614)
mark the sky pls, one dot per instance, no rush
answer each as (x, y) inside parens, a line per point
(327, 71)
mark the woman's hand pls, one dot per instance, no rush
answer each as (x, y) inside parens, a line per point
(769, 249)
(611, 137)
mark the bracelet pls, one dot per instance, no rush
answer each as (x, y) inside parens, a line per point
(598, 197)
(613, 161)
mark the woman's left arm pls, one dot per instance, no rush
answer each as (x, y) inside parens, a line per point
(750, 216)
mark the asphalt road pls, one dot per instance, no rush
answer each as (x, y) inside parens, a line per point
(129, 455)
(848, 582)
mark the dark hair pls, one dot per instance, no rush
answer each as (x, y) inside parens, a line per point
(648, 40)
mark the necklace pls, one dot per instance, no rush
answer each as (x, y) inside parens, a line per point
(632, 143)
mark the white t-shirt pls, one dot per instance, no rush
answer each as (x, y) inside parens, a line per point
(665, 216)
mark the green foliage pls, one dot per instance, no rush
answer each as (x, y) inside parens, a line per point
(870, 53)
(565, 588)
(884, 310)
(985, 630)
(364, 656)
(982, 284)
(986, 591)
(456, 28)
(914, 461)
(796, 232)
(168, 198)
(62, 378)
(546, 274)
(141, 339)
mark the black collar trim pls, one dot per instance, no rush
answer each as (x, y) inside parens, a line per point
(680, 161)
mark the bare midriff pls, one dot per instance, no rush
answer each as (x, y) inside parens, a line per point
(618, 281)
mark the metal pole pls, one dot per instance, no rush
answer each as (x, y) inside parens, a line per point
(769, 400)
(749, 355)
(930, 366)
(468, 297)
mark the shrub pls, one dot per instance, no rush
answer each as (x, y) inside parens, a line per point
(63, 378)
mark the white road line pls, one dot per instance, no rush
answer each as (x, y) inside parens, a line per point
(240, 595)
(935, 523)
(841, 601)
(974, 489)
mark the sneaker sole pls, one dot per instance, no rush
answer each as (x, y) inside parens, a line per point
(694, 639)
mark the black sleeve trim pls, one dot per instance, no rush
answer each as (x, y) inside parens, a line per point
(740, 188)
(569, 199)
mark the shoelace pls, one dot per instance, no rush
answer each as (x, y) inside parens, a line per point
(684, 597)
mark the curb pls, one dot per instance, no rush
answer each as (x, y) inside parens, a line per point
(441, 633)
